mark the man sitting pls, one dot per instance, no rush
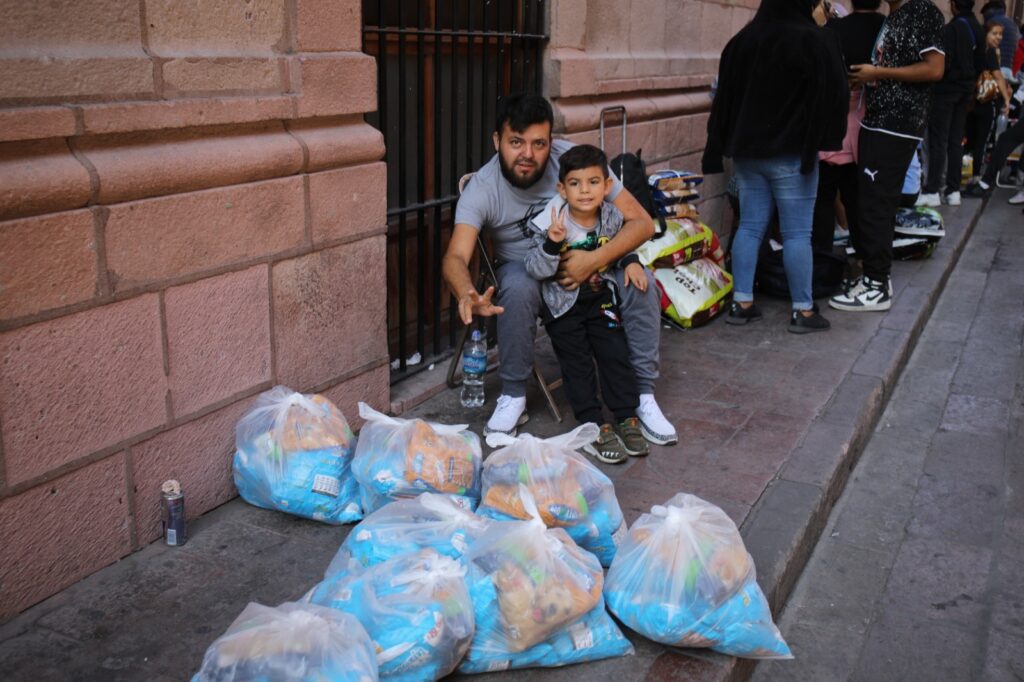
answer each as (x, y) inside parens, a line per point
(504, 195)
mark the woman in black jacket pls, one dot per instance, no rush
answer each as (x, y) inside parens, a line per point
(782, 98)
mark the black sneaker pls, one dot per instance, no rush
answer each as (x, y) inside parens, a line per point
(740, 315)
(977, 191)
(802, 324)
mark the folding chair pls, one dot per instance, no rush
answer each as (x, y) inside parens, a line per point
(488, 277)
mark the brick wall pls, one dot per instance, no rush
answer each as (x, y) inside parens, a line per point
(191, 211)
(656, 57)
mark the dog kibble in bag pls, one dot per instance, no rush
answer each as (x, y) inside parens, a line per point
(294, 453)
(570, 492)
(290, 643)
(402, 458)
(682, 577)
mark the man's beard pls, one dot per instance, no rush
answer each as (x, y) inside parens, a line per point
(518, 180)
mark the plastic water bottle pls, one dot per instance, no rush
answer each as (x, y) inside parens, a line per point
(474, 365)
(1002, 123)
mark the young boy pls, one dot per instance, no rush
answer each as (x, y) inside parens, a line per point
(584, 323)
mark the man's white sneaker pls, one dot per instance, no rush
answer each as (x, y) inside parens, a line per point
(931, 200)
(653, 424)
(867, 295)
(509, 415)
(1017, 198)
(953, 198)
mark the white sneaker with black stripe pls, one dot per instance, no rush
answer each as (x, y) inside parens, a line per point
(867, 295)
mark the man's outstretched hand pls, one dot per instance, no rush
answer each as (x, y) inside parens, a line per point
(473, 303)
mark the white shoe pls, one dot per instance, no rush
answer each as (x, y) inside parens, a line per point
(930, 200)
(953, 198)
(1017, 198)
(509, 415)
(868, 295)
(653, 424)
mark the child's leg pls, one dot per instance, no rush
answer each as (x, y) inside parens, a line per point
(607, 338)
(569, 339)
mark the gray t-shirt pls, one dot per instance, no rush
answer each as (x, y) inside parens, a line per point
(491, 202)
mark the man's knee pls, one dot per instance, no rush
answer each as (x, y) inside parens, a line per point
(635, 301)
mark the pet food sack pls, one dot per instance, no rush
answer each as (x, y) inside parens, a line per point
(673, 180)
(569, 491)
(678, 212)
(293, 453)
(415, 608)
(693, 293)
(290, 643)
(682, 577)
(401, 458)
(428, 521)
(683, 241)
(537, 598)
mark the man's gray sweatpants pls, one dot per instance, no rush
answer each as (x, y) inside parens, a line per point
(519, 294)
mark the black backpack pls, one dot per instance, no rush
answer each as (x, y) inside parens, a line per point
(632, 171)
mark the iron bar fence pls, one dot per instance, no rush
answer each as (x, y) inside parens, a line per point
(441, 67)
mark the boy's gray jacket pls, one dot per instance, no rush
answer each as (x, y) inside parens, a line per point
(542, 265)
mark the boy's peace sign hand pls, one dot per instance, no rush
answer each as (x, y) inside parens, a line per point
(473, 303)
(556, 232)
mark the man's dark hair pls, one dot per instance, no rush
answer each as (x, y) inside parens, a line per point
(993, 5)
(521, 110)
(964, 7)
(868, 5)
(579, 157)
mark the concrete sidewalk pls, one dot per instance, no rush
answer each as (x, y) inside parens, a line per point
(770, 423)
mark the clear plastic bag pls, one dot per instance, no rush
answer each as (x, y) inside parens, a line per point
(290, 643)
(415, 608)
(428, 521)
(683, 577)
(570, 492)
(400, 458)
(294, 453)
(537, 598)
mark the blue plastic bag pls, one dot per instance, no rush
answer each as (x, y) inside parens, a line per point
(682, 577)
(537, 598)
(415, 608)
(428, 521)
(294, 453)
(569, 491)
(290, 643)
(403, 458)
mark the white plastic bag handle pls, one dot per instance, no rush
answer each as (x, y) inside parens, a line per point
(577, 438)
(452, 513)
(434, 569)
(372, 415)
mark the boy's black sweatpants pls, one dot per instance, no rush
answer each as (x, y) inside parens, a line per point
(592, 330)
(883, 160)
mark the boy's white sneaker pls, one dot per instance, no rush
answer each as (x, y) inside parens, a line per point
(930, 200)
(953, 198)
(509, 415)
(653, 424)
(1017, 198)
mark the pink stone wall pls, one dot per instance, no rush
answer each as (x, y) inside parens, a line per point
(655, 57)
(189, 198)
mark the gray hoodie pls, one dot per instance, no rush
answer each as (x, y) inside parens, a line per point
(543, 256)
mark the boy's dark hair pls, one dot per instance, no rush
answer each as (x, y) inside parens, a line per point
(871, 5)
(521, 110)
(579, 157)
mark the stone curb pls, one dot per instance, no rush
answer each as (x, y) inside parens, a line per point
(783, 527)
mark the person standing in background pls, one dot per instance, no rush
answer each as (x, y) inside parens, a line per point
(906, 60)
(837, 172)
(962, 40)
(994, 11)
(782, 98)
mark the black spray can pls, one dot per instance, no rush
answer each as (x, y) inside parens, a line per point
(174, 513)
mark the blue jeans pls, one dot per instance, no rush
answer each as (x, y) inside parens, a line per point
(763, 185)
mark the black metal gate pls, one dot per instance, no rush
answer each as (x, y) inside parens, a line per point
(441, 66)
